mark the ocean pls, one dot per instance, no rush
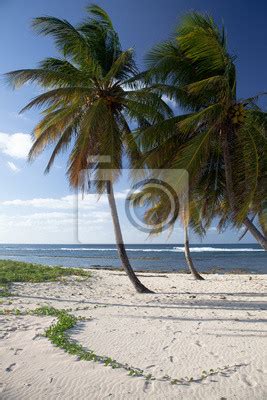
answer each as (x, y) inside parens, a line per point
(248, 258)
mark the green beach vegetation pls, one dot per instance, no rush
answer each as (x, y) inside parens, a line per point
(16, 271)
(58, 335)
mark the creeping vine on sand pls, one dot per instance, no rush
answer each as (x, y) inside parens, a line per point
(57, 334)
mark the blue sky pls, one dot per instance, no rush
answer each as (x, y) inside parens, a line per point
(38, 208)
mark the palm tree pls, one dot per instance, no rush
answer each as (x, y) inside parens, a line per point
(86, 105)
(160, 215)
(220, 134)
(188, 257)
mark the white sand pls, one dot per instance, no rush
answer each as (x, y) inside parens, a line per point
(186, 328)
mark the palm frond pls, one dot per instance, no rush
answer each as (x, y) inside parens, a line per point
(59, 96)
(100, 15)
(123, 67)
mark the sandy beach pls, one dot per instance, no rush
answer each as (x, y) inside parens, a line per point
(199, 340)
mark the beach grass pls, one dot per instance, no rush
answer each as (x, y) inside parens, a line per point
(16, 271)
(58, 335)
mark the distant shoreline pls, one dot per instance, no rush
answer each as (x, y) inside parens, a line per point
(212, 271)
(232, 258)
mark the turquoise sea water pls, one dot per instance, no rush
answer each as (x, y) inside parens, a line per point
(161, 257)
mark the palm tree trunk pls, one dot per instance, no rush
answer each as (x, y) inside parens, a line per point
(120, 244)
(188, 258)
(261, 239)
(256, 233)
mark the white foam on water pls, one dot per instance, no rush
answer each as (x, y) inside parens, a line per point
(178, 249)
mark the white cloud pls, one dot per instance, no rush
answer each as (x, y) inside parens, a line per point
(63, 203)
(12, 166)
(16, 145)
(54, 220)
(50, 222)
(85, 202)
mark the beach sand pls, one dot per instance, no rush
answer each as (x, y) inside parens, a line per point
(186, 328)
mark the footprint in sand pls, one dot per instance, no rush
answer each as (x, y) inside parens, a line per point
(16, 351)
(37, 336)
(247, 381)
(146, 386)
(150, 366)
(11, 367)
(213, 354)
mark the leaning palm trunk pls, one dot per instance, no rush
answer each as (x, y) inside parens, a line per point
(85, 109)
(255, 233)
(230, 193)
(120, 244)
(188, 258)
